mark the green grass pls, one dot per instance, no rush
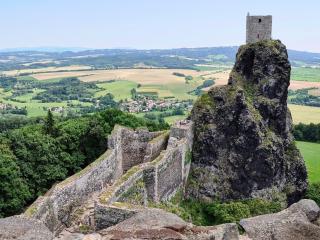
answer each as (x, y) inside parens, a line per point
(305, 74)
(172, 119)
(26, 78)
(119, 89)
(210, 68)
(311, 155)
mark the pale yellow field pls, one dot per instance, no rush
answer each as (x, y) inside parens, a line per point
(221, 78)
(304, 114)
(41, 62)
(315, 92)
(47, 69)
(143, 76)
(53, 75)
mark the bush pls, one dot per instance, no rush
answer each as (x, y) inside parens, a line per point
(260, 206)
(227, 212)
(208, 214)
(313, 192)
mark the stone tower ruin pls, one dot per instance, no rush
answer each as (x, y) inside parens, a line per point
(258, 28)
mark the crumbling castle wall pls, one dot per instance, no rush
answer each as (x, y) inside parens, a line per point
(126, 147)
(56, 206)
(155, 181)
(161, 178)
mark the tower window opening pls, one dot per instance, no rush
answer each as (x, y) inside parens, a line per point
(258, 36)
(260, 20)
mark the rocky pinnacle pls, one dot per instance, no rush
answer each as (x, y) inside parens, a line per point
(243, 146)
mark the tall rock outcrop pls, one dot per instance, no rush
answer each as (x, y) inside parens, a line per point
(243, 146)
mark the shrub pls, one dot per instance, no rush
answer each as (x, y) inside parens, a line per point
(260, 206)
(313, 192)
(227, 212)
(207, 214)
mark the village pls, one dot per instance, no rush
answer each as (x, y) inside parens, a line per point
(146, 104)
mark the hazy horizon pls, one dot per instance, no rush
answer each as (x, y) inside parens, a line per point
(143, 24)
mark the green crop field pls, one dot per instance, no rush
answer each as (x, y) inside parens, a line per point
(305, 74)
(311, 155)
(119, 89)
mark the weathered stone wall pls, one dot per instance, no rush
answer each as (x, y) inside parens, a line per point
(169, 172)
(159, 179)
(57, 205)
(259, 28)
(133, 146)
(154, 181)
(126, 148)
(121, 186)
(155, 146)
(134, 169)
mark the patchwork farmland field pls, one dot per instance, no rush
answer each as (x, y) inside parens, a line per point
(165, 83)
(142, 76)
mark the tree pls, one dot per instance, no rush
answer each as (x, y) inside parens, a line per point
(49, 124)
(133, 93)
(14, 192)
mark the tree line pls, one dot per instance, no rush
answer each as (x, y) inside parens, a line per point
(307, 132)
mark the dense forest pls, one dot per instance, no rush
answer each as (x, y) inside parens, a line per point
(36, 153)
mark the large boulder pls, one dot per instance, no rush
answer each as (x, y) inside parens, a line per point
(243, 146)
(292, 223)
(22, 228)
(158, 224)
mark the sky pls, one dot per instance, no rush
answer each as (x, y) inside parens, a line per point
(149, 24)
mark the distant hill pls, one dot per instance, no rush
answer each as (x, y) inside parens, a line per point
(44, 49)
(128, 58)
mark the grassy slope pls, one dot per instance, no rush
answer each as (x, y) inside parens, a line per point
(311, 155)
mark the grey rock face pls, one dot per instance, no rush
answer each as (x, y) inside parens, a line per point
(243, 146)
(22, 228)
(106, 217)
(292, 223)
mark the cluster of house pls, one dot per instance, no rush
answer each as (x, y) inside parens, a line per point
(4, 106)
(56, 109)
(146, 104)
